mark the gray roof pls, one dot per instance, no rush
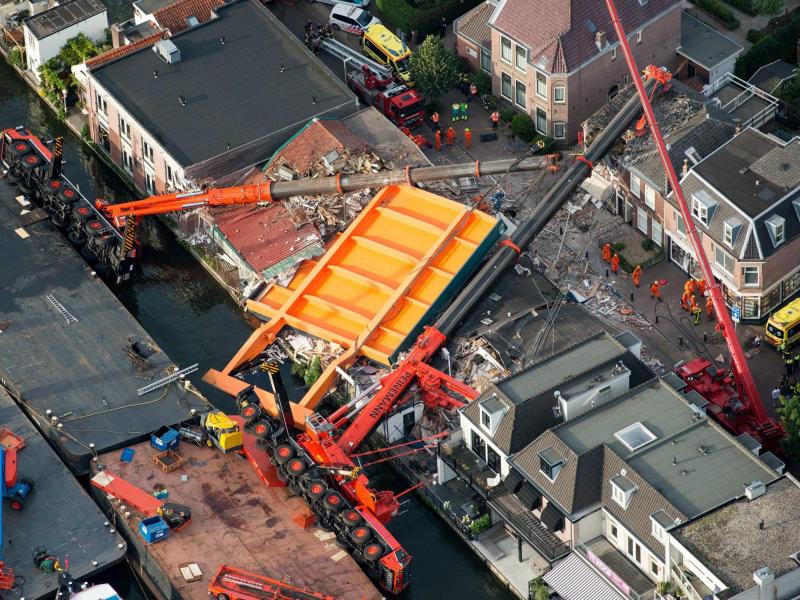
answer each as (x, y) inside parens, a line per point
(681, 479)
(772, 75)
(65, 15)
(235, 92)
(148, 7)
(474, 25)
(730, 543)
(704, 45)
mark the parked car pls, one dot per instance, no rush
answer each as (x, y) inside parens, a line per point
(359, 3)
(350, 18)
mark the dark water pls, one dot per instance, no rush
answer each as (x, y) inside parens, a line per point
(194, 320)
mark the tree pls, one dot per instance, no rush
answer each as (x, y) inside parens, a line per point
(522, 127)
(789, 411)
(15, 57)
(768, 7)
(433, 68)
(78, 49)
(538, 589)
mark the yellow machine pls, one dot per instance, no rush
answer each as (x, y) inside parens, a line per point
(383, 46)
(783, 327)
(223, 432)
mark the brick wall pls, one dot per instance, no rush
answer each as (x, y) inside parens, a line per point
(466, 49)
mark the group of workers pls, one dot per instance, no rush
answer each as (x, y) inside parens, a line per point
(315, 34)
(791, 362)
(449, 135)
(613, 259)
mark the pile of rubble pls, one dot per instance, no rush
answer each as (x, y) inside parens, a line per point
(477, 362)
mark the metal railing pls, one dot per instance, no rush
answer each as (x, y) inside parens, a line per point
(683, 581)
(610, 576)
(549, 546)
(464, 470)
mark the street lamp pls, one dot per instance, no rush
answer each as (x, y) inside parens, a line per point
(64, 93)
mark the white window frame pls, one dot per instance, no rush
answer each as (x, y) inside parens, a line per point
(750, 269)
(168, 174)
(727, 234)
(524, 56)
(488, 56)
(777, 227)
(642, 218)
(636, 185)
(700, 211)
(680, 224)
(559, 125)
(658, 238)
(619, 496)
(510, 96)
(102, 104)
(536, 120)
(518, 83)
(639, 37)
(658, 531)
(150, 175)
(614, 53)
(148, 153)
(719, 250)
(649, 197)
(556, 89)
(543, 93)
(486, 415)
(503, 41)
(124, 128)
(127, 165)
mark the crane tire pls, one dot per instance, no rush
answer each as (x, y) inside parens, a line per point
(361, 535)
(222, 596)
(372, 551)
(31, 161)
(316, 489)
(351, 518)
(333, 501)
(21, 148)
(76, 238)
(296, 467)
(284, 453)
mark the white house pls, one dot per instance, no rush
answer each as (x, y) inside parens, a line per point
(47, 32)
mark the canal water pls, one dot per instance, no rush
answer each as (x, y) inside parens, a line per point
(194, 320)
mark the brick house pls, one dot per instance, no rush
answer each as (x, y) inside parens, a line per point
(569, 64)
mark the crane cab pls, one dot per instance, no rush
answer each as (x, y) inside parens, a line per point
(223, 432)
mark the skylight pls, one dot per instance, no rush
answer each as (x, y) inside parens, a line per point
(635, 436)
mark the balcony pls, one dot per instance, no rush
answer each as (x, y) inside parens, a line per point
(617, 569)
(469, 467)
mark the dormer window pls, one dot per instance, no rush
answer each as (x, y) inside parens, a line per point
(622, 490)
(731, 231)
(550, 463)
(703, 207)
(776, 226)
(486, 419)
(492, 411)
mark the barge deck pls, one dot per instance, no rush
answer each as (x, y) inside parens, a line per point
(70, 347)
(236, 520)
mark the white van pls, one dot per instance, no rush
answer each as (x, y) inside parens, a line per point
(350, 18)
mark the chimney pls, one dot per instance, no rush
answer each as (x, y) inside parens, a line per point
(685, 169)
(600, 39)
(182, 100)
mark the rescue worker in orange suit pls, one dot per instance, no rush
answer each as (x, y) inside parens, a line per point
(688, 287)
(435, 121)
(607, 253)
(655, 291)
(467, 138)
(701, 286)
(685, 299)
(615, 263)
(437, 140)
(637, 275)
(451, 136)
(495, 119)
(709, 308)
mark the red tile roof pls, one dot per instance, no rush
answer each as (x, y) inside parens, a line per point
(174, 17)
(265, 236)
(564, 35)
(117, 53)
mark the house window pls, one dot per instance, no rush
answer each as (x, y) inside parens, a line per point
(657, 530)
(150, 182)
(541, 85)
(520, 94)
(486, 420)
(636, 185)
(639, 37)
(521, 58)
(622, 490)
(127, 161)
(168, 171)
(559, 130)
(777, 229)
(657, 233)
(124, 128)
(612, 530)
(102, 105)
(486, 61)
(650, 197)
(728, 235)
(550, 463)
(559, 94)
(703, 207)
(750, 276)
(505, 86)
(147, 152)
(641, 220)
(505, 50)
(478, 445)
(493, 460)
(614, 55)
(634, 550)
(680, 224)
(541, 121)
(655, 568)
(723, 260)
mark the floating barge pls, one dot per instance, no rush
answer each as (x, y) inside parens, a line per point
(238, 519)
(58, 515)
(70, 353)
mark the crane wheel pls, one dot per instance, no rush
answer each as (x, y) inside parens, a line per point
(21, 148)
(58, 222)
(351, 518)
(54, 185)
(82, 213)
(284, 453)
(68, 194)
(372, 552)
(222, 596)
(93, 227)
(250, 412)
(333, 502)
(76, 238)
(361, 535)
(31, 161)
(316, 489)
(262, 429)
(296, 467)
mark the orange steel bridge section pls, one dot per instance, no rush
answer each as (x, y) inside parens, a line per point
(372, 289)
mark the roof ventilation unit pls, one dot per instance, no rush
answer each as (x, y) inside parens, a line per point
(167, 51)
(754, 490)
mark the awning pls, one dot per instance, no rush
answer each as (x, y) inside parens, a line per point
(513, 481)
(599, 187)
(529, 496)
(552, 518)
(573, 579)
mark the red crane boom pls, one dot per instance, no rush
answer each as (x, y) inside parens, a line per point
(751, 416)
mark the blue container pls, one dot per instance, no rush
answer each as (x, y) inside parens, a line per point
(165, 438)
(153, 529)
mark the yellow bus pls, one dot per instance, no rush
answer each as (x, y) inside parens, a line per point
(783, 327)
(383, 46)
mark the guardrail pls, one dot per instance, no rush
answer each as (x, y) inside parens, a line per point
(610, 576)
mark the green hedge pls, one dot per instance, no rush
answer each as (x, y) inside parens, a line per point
(423, 19)
(754, 36)
(718, 10)
(746, 6)
(781, 43)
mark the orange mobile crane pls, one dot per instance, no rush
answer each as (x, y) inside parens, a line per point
(230, 583)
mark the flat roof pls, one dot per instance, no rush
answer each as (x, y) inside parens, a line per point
(62, 16)
(731, 544)
(695, 481)
(148, 7)
(703, 44)
(235, 92)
